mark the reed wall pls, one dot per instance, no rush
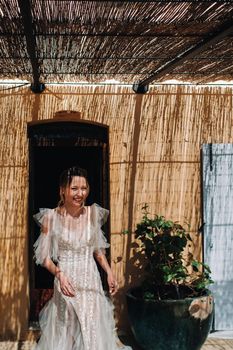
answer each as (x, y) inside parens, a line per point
(155, 142)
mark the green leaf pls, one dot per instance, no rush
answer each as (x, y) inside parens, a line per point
(163, 242)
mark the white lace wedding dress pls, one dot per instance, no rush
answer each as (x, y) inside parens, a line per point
(85, 321)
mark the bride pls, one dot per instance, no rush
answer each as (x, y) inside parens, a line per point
(79, 316)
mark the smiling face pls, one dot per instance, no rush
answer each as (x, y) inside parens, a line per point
(76, 192)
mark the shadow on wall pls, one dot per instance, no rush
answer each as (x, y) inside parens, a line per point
(133, 277)
(14, 296)
(134, 260)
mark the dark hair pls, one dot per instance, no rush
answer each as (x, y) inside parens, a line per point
(67, 175)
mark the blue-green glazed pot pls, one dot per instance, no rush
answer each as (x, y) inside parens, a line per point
(170, 324)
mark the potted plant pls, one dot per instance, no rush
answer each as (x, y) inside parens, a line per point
(172, 309)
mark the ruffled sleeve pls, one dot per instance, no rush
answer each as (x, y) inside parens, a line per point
(99, 216)
(46, 245)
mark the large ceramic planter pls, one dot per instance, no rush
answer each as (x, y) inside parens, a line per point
(170, 324)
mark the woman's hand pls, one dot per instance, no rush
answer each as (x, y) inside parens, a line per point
(66, 287)
(112, 283)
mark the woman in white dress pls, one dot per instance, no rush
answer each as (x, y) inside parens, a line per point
(79, 316)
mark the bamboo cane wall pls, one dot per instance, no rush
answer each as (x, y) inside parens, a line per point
(155, 142)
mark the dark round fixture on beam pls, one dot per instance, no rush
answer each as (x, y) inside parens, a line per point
(37, 88)
(140, 89)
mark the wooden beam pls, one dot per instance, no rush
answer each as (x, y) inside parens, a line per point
(25, 10)
(192, 51)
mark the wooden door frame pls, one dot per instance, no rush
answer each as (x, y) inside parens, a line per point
(77, 128)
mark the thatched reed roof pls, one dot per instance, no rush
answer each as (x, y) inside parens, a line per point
(129, 41)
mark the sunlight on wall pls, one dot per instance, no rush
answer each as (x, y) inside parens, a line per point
(155, 143)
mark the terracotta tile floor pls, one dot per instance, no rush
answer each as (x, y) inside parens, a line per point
(218, 344)
(27, 345)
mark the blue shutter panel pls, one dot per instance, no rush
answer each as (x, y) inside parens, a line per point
(217, 173)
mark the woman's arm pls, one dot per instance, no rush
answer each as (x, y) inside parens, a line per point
(112, 283)
(66, 287)
(50, 266)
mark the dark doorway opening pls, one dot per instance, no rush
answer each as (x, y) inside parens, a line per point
(53, 147)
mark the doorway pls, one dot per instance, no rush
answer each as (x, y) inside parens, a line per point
(53, 147)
